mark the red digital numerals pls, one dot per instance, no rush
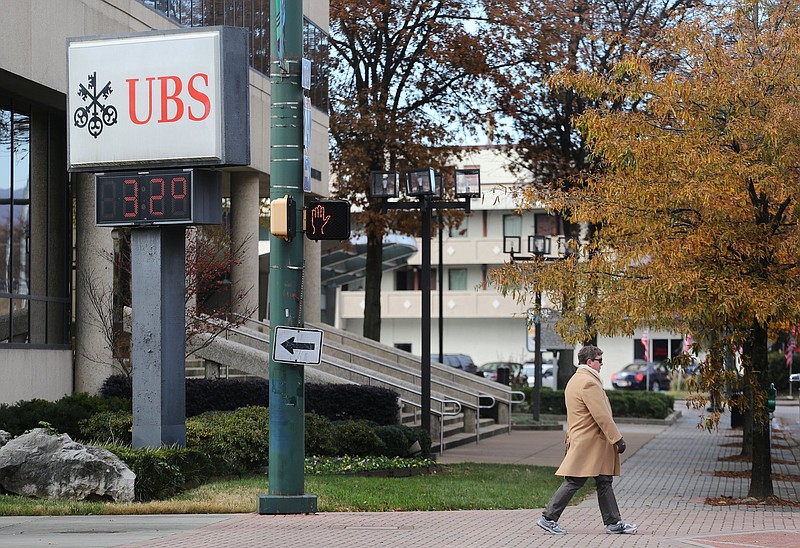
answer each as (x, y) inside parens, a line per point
(130, 193)
(156, 203)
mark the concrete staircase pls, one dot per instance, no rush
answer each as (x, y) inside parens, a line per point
(464, 407)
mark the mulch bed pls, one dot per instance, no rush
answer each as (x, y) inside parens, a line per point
(769, 501)
(739, 444)
(746, 474)
(749, 458)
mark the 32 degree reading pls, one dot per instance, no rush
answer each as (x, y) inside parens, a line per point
(144, 198)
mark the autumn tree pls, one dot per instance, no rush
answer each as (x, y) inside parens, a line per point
(591, 35)
(404, 78)
(695, 201)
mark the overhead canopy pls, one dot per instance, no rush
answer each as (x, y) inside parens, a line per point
(346, 262)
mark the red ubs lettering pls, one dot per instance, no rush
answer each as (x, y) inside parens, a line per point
(173, 103)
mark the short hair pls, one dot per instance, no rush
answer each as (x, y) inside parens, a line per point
(588, 352)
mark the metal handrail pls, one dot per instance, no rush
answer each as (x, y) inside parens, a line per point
(370, 379)
(518, 393)
(372, 359)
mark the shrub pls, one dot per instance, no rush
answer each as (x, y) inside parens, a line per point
(163, 471)
(236, 441)
(423, 437)
(394, 439)
(359, 439)
(110, 427)
(352, 401)
(203, 395)
(320, 436)
(63, 415)
(624, 403)
(117, 386)
(335, 401)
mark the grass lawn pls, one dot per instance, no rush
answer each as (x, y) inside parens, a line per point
(450, 487)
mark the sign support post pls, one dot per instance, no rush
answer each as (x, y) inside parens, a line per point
(286, 381)
(158, 330)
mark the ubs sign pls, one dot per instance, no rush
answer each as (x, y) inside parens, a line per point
(161, 98)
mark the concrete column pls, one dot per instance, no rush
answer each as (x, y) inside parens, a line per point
(244, 238)
(312, 284)
(94, 281)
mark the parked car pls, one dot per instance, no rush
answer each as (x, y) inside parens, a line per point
(634, 376)
(548, 377)
(459, 361)
(794, 378)
(515, 374)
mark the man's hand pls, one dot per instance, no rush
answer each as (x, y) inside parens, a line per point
(621, 446)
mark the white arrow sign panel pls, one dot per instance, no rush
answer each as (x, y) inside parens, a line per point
(295, 345)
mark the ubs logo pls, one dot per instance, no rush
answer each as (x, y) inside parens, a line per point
(95, 115)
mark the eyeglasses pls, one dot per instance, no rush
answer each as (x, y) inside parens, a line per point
(598, 360)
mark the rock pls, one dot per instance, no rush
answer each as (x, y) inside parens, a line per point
(38, 464)
(5, 437)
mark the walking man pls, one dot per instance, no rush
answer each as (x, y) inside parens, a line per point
(593, 447)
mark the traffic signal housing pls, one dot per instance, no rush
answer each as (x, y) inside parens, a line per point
(283, 218)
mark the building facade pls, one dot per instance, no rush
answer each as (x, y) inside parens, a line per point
(477, 320)
(52, 256)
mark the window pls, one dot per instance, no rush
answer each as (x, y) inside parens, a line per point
(512, 225)
(15, 202)
(660, 349)
(34, 298)
(254, 16)
(547, 225)
(457, 279)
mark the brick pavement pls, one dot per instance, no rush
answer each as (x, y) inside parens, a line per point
(662, 488)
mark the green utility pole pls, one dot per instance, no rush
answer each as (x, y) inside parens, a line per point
(286, 381)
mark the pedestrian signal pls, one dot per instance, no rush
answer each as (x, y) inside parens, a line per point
(328, 220)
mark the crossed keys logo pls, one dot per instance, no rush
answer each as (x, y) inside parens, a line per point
(95, 114)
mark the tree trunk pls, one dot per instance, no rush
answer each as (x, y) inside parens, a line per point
(761, 478)
(372, 286)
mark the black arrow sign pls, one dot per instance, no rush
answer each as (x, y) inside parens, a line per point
(290, 345)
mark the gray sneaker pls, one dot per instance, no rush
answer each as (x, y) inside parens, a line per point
(550, 526)
(621, 528)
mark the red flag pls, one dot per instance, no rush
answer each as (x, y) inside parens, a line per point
(646, 344)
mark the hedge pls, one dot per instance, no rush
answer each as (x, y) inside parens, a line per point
(624, 403)
(335, 401)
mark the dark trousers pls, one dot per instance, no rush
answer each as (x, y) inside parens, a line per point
(605, 498)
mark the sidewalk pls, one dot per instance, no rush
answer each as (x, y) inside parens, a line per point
(666, 475)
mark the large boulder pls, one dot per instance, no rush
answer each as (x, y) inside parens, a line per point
(38, 464)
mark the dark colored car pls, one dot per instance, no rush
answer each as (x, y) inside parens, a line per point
(459, 361)
(634, 376)
(515, 374)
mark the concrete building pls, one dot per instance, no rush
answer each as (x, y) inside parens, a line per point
(50, 340)
(477, 319)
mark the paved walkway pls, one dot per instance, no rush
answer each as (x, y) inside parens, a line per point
(666, 475)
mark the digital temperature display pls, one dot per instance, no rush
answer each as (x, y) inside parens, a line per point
(181, 196)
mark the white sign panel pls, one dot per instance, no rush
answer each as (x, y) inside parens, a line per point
(156, 98)
(295, 345)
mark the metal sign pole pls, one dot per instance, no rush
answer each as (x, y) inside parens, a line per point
(286, 381)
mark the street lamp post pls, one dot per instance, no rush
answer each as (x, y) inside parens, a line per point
(538, 247)
(422, 184)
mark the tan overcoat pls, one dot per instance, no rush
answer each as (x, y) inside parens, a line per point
(591, 432)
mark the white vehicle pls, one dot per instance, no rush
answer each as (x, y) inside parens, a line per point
(548, 377)
(794, 377)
